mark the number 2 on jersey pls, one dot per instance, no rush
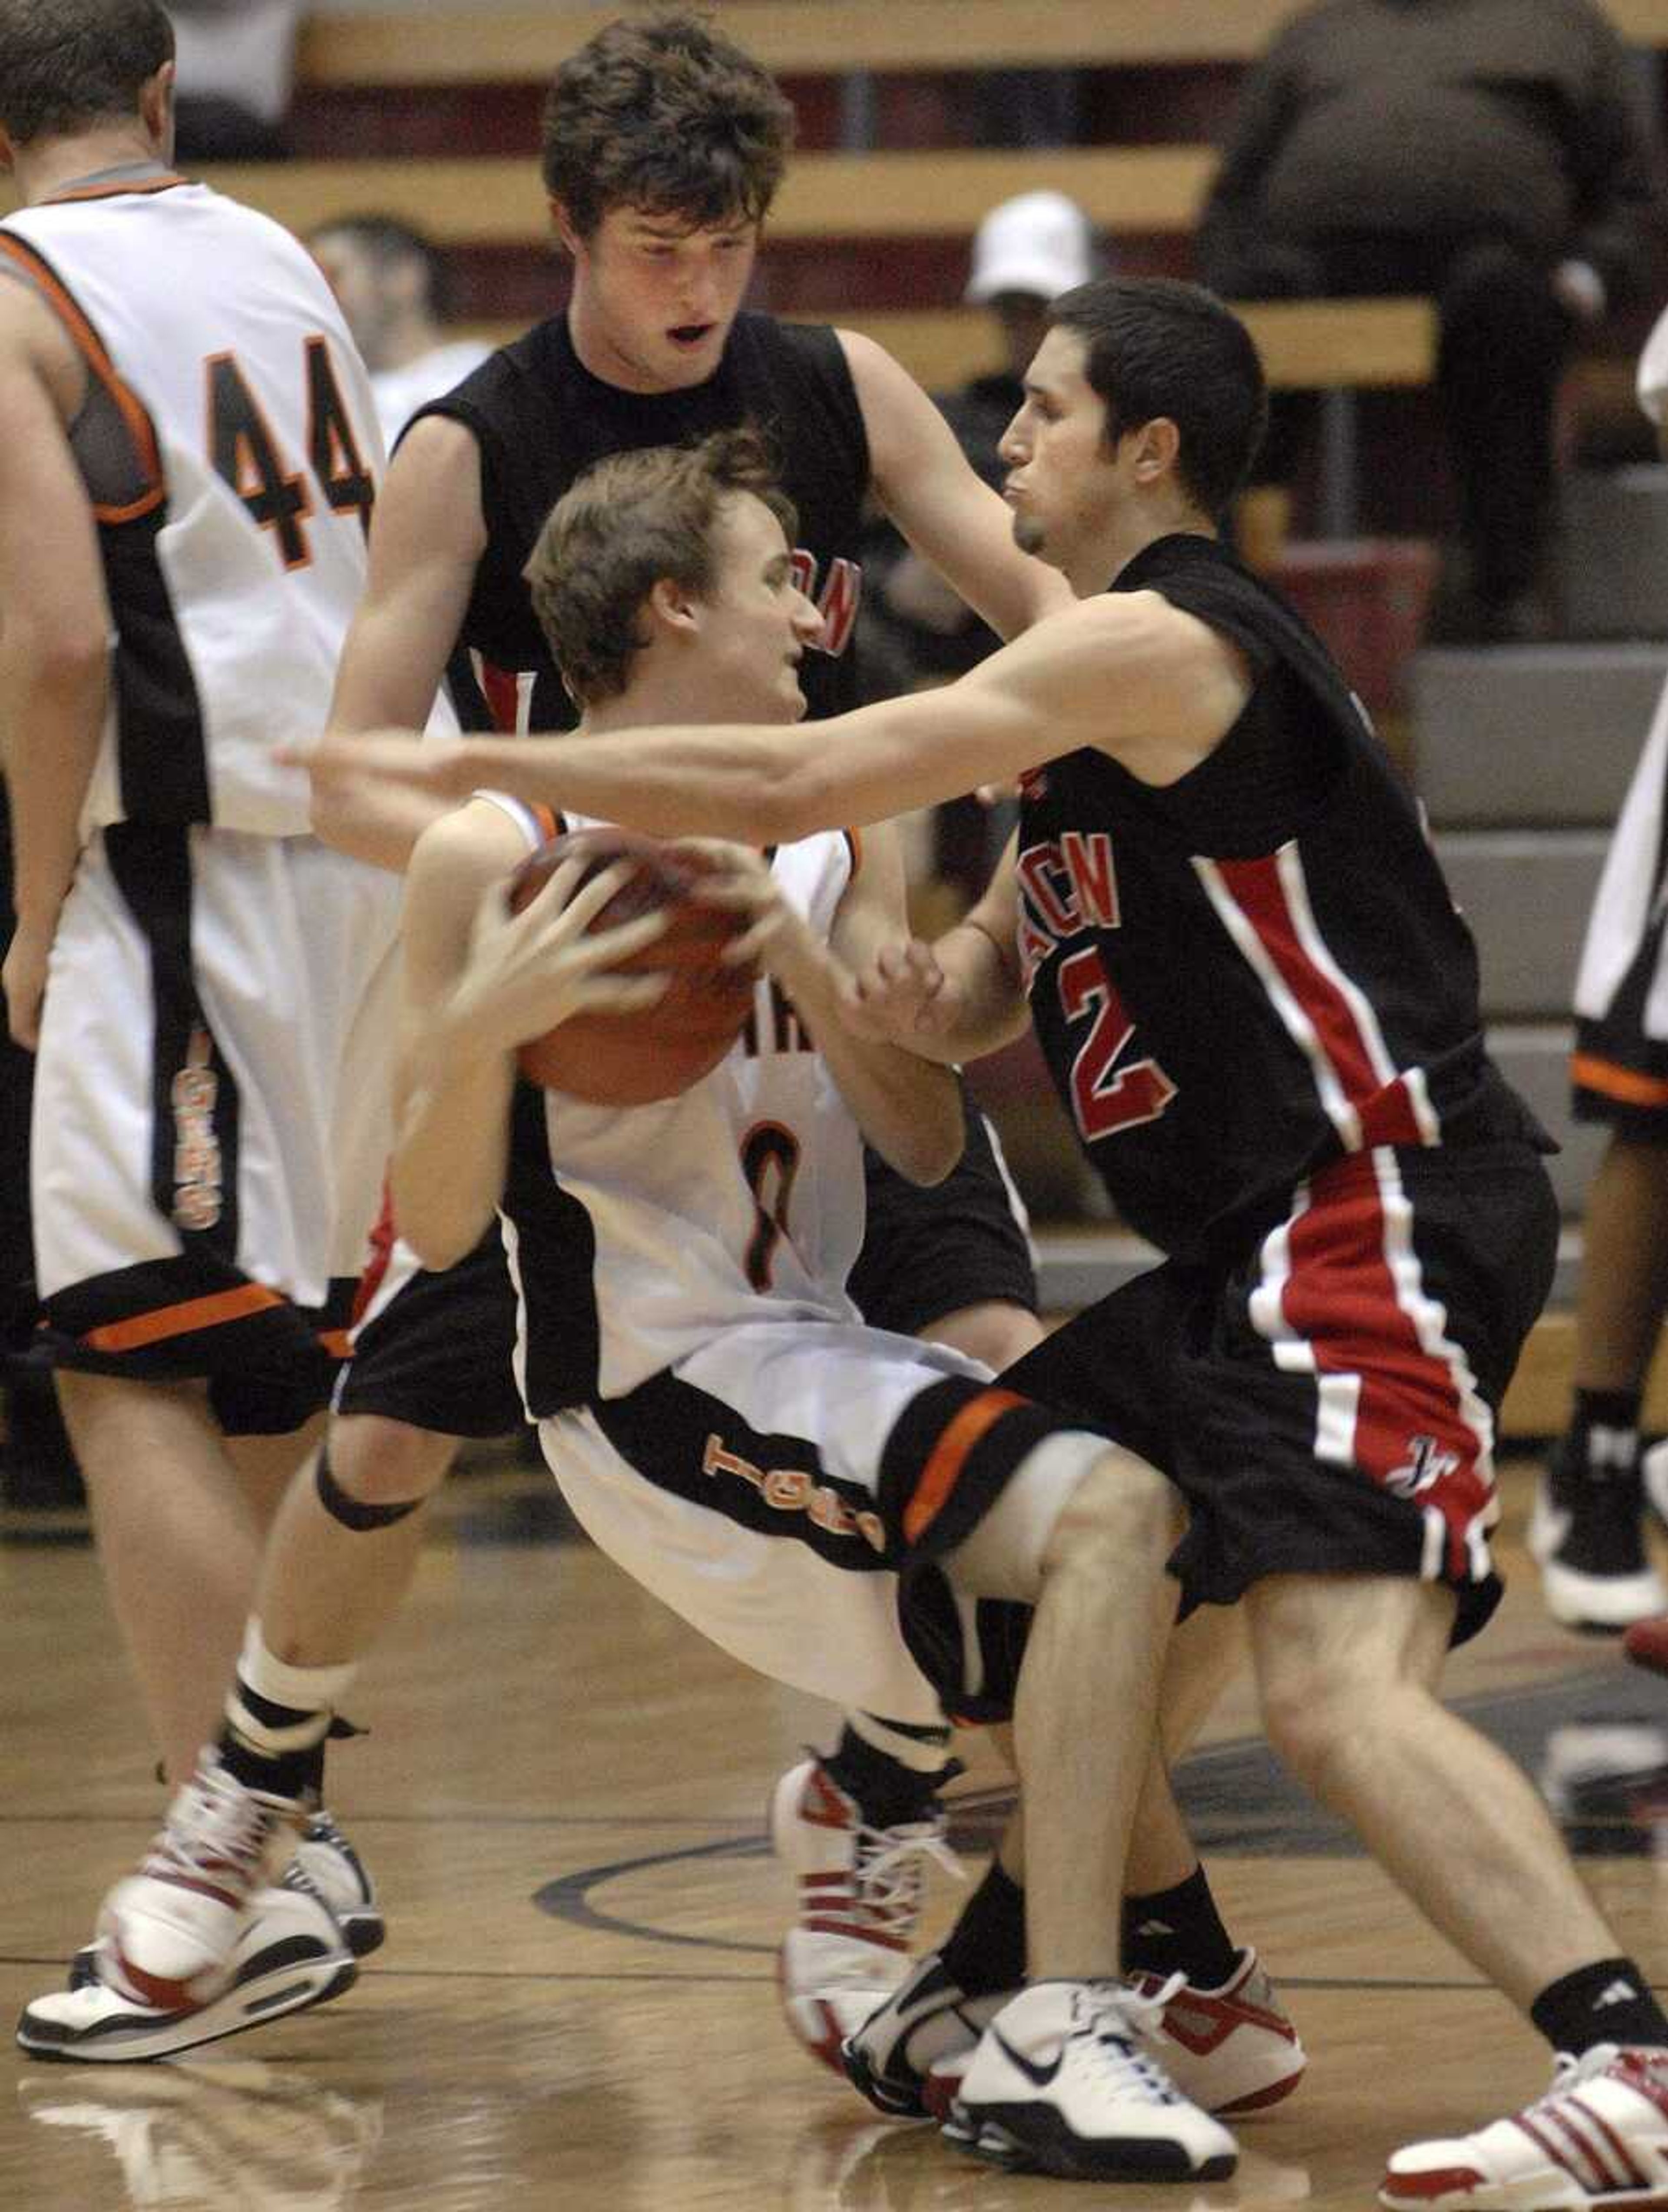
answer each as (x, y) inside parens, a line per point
(1105, 1097)
(246, 455)
(770, 1161)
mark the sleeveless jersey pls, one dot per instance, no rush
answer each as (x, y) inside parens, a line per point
(540, 418)
(635, 1234)
(1259, 968)
(230, 449)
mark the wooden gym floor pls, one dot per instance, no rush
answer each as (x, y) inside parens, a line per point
(561, 1798)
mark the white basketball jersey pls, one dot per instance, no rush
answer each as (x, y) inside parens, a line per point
(740, 1198)
(230, 448)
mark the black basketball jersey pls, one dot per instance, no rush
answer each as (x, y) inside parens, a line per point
(540, 417)
(1252, 970)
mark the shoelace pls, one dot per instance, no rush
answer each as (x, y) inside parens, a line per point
(215, 1829)
(889, 1868)
(1120, 2020)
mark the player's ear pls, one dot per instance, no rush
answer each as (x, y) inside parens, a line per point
(1157, 444)
(567, 236)
(156, 108)
(673, 607)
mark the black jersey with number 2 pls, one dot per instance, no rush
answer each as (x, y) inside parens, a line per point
(1259, 968)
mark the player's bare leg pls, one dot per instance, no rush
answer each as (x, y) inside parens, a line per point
(995, 1330)
(1348, 1670)
(163, 1483)
(1349, 1667)
(1064, 2076)
(334, 1575)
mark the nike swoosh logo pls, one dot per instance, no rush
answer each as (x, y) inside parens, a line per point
(1039, 2076)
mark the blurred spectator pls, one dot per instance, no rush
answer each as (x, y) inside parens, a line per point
(236, 61)
(391, 283)
(916, 630)
(1486, 153)
(1588, 1527)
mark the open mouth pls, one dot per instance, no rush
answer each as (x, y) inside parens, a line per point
(691, 334)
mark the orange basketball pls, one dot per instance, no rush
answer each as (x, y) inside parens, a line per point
(634, 1059)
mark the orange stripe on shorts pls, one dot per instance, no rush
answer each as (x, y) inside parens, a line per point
(180, 1320)
(1624, 1083)
(949, 1455)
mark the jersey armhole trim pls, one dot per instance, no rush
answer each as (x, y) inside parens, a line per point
(35, 270)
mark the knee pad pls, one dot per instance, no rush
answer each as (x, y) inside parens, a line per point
(353, 1512)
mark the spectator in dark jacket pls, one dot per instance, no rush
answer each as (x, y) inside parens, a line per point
(1486, 153)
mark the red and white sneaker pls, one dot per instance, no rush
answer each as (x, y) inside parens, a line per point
(1599, 2139)
(1229, 2049)
(859, 1905)
(168, 1934)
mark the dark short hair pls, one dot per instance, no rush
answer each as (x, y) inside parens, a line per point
(1154, 346)
(665, 113)
(629, 521)
(66, 63)
(390, 244)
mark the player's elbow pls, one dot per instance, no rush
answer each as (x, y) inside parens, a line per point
(440, 1227)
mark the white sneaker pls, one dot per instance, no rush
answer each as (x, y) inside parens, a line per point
(1064, 2081)
(1598, 2138)
(289, 1954)
(859, 1905)
(167, 1935)
(1229, 2049)
(324, 1858)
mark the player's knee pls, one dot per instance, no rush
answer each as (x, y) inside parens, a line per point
(1308, 1714)
(1121, 1513)
(379, 1464)
(996, 1331)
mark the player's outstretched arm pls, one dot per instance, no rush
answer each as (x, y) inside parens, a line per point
(947, 512)
(1124, 673)
(427, 535)
(956, 999)
(476, 981)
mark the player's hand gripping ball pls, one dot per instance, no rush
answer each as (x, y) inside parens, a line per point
(635, 1059)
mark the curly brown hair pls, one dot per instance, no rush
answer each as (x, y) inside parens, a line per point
(663, 112)
(629, 521)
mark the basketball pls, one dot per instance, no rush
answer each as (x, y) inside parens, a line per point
(636, 1059)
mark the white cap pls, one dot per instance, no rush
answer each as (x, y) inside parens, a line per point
(1038, 243)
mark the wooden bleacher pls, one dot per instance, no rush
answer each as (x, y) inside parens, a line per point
(497, 202)
(830, 37)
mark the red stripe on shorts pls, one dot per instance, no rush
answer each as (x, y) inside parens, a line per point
(1352, 1295)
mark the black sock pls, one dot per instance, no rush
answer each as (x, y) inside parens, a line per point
(1615, 1415)
(1178, 1931)
(985, 1950)
(888, 1793)
(298, 1773)
(1609, 2001)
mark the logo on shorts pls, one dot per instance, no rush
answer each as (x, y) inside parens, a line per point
(1428, 1464)
(793, 1490)
(197, 1158)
